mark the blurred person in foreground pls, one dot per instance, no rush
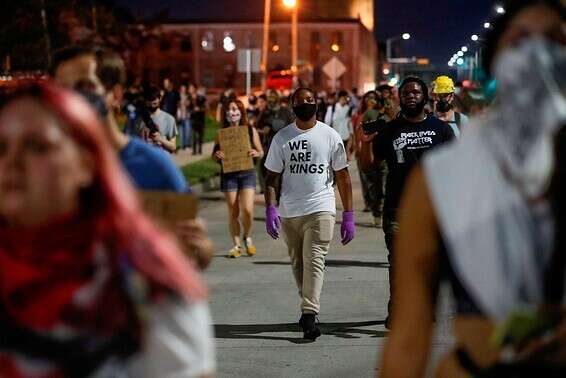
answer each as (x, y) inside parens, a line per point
(79, 295)
(489, 215)
(401, 143)
(148, 167)
(443, 97)
(239, 187)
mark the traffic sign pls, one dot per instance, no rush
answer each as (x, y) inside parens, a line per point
(249, 59)
(334, 68)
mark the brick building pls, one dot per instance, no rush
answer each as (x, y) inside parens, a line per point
(206, 52)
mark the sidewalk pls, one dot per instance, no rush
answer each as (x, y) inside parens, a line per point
(184, 157)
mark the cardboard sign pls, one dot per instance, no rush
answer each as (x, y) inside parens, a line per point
(169, 207)
(235, 143)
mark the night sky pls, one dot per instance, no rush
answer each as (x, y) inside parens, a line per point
(439, 27)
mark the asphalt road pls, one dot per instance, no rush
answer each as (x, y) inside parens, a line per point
(255, 304)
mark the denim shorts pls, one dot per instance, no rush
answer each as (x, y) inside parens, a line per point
(236, 181)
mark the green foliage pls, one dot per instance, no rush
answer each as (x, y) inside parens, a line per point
(211, 127)
(200, 171)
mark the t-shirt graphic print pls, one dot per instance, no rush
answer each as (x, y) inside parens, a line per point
(307, 160)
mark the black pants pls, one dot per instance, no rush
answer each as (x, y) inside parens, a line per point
(372, 188)
(390, 229)
(198, 135)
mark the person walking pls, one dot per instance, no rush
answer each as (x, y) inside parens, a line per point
(443, 98)
(402, 143)
(304, 161)
(90, 286)
(239, 187)
(339, 117)
(198, 121)
(184, 117)
(373, 181)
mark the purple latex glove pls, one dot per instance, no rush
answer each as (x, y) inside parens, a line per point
(348, 229)
(272, 222)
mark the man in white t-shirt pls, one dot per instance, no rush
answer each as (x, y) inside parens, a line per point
(304, 161)
(339, 117)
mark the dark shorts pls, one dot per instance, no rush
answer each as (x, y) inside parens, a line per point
(236, 181)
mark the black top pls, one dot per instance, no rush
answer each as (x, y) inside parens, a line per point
(402, 144)
(170, 101)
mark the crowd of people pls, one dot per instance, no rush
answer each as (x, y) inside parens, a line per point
(91, 286)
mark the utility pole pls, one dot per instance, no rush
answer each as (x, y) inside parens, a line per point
(94, 17)
(46, 33)
(295, 42)
(265, 49)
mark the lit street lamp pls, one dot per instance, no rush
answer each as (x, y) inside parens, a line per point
(499, 9)
(464, 49)
(487, 25)
(404, 36)
(475, 38)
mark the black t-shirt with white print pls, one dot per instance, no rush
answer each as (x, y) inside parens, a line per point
(402, 144)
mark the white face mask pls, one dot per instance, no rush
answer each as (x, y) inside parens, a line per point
(531, 80)
(233, 116)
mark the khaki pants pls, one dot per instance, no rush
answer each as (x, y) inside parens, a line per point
(308, 239)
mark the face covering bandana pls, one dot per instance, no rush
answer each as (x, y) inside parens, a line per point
(443, 106)
(233, 116)
(531, 77)
(305, 112)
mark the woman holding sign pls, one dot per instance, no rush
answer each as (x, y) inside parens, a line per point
(238, 186)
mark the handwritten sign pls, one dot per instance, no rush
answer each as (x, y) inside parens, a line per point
(169, 208)
(235, 143)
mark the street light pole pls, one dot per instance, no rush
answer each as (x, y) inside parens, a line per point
(388, 42)
(294, 40)
(46, 32)
(266, 20)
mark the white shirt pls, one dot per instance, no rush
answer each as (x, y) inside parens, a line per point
(340, 120)
(307, 160)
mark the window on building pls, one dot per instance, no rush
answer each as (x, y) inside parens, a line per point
(165, 73)
(250, 39)
(208, 79)
(186, 44)
(164, 44)
(315, 39)
(207, 41)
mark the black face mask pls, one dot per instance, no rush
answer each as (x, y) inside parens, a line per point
(443, 106)
(304, 112)
(152, 109)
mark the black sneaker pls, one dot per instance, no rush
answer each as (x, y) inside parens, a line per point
(309, 325)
